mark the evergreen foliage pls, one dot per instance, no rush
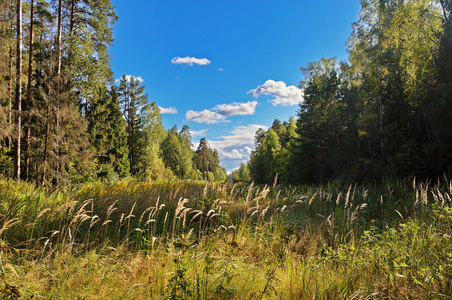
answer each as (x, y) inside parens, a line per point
(67, 121)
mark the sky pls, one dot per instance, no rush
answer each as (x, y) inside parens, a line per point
(226, 68)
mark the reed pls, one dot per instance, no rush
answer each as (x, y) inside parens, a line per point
(227, 241)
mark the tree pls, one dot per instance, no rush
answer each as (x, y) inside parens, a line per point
(150, 166)
(106, 128)
(60, 146)
(132, 99)
(18, 106)
(175, 153)
(242, 174)
(206, 159)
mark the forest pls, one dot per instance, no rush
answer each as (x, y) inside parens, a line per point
(384, 113)
(64, 119)
(349, 199)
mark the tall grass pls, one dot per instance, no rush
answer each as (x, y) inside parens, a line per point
(191, 240)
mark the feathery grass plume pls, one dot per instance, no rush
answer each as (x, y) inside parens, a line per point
(265, 191)
(312, 199)
(196, 213)
(4, 247)
(339, 197)
(180, 207)
(250, 189)
(275, 181)
(128, 218)
(347, 196)
(149, 209)
(204, 192)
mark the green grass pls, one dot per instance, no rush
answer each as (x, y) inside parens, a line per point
(193, 240)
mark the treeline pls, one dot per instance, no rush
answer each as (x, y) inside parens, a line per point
(387, 112)
(62, 116)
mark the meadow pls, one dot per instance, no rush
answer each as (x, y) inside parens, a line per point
(202, 240)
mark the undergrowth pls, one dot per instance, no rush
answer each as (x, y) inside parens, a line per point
(187, 240)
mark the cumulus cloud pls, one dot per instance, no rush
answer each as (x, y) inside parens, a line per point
(128, 77)
(205, 116)
(198, 132)
(168, 110)
(190, 61)
(284, 95)
(220, 69)
(239, 144)
(236, 147)
(235, 154)
(234, 109)
(220, 112)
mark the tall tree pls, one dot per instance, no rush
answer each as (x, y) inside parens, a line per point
(132, 99)
(29, 92)
(60, 150)
(18, 107)
(149, 165)
(106, 128)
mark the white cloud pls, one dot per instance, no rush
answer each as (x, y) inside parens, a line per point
(205, 116)
(284, 95)
(239, 144)
(190, 61)
(234, 109)
(221, 111)
(168, 110)
(235, 154)
(220, 69)
(128, 77)
(198, 132)
(236, 147)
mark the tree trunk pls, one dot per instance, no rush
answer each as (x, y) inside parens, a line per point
(381, 121)
(10, 84)
(18, 91)
(57, 129)
(72, 23)
(46, 141)
(60, 15)
(30, 79)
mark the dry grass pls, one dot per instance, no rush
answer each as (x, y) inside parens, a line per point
(185, 240)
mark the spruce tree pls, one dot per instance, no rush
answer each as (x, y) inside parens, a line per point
(132, 100)
(106, 128)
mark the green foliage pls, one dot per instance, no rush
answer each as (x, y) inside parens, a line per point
(106, 128)
(132, 101)
(176, 154)
(207, 161)
(242, 174)
(383, 114)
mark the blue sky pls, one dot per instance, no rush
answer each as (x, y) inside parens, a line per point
(227, 68)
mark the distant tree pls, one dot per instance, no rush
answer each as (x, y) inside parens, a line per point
(149, 164)
(176, 154)
(242, 173)
(206, 159)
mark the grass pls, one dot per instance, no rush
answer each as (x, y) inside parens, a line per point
(188, 240)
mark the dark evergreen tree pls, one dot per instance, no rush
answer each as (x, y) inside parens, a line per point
(132, 99)
(106, 128)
